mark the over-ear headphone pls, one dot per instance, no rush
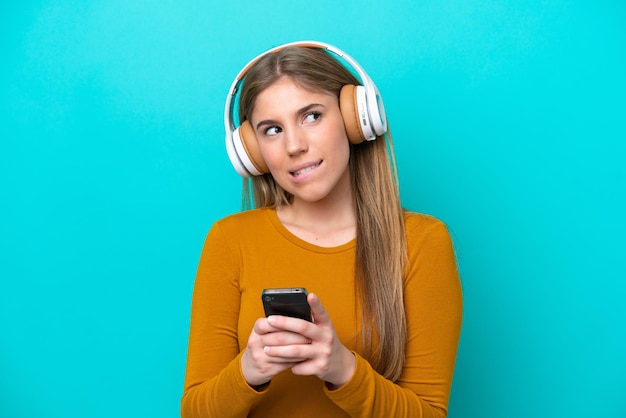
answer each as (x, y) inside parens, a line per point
(361, 108)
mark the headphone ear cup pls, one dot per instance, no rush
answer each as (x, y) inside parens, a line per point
(354, 110)
(349, 113)
(250, 145)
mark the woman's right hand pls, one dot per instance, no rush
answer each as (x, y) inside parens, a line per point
(258, 368)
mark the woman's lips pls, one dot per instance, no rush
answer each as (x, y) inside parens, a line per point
(305, 170)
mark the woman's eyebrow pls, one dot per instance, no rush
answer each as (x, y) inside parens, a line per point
(268, 122)
(307, 108)
(299, 112)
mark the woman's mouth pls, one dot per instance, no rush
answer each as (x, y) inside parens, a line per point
(305, 170)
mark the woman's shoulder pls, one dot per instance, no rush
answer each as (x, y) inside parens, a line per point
(417, 219)
(246, 219)
(245, 226)
(420, 224)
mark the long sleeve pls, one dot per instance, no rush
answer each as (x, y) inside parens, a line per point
(433, 303)
(213, 362)
(250, 251)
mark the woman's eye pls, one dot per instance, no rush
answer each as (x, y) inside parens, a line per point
(272, 130)
(312, 117)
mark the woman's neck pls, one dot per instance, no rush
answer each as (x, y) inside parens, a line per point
(326, 223)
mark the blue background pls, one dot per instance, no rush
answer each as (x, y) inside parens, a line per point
(509, 122)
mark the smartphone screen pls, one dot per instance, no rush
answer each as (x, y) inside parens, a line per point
(287, 301)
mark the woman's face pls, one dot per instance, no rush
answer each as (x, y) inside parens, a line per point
(303, 140)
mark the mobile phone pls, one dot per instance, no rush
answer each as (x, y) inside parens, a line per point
(290, 301)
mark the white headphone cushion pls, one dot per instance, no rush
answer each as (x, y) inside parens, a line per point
(363, 112)
(242, 157)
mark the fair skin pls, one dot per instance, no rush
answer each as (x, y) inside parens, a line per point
(303, 141)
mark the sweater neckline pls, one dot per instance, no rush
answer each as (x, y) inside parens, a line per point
(273, 218)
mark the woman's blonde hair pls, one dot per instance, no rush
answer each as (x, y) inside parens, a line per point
(380, 240)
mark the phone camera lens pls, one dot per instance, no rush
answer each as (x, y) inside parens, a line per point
(268, 298)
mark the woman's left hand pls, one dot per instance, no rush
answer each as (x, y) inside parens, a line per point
(326, 357)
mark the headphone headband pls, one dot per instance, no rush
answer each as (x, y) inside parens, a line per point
(371, 106)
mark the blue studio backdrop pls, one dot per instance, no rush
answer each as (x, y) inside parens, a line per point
(509, 124)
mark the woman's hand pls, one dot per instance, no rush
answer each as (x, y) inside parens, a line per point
(324, 356)
(257, 366)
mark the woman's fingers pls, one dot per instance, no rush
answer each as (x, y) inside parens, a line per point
(257, 366)
(325, 356)
(320, 316)
(311, 348)
(286, 338)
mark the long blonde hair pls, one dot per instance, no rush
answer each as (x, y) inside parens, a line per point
(380, 240)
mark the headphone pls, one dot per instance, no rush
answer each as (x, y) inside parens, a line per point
(361, 108)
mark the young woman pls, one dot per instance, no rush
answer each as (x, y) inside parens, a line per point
(324, 214)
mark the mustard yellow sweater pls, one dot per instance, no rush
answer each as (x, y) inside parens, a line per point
(252, 250)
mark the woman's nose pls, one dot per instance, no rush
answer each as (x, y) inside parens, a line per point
(296, 142)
